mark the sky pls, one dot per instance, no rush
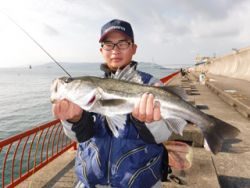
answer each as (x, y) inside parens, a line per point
(167, 32)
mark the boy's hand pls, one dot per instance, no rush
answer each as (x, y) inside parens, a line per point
(147, 110)
(66, 110)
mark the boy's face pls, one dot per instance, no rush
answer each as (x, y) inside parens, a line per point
(118, 58)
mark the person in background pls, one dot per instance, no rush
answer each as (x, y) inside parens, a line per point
(183, 72)
(133, 155)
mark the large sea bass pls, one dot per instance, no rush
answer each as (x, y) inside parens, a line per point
(112, 97)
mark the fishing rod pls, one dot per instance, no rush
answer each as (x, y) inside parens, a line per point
(39, 45)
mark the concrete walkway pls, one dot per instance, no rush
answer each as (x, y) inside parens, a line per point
(232, 164)
(57, 174)
(233, 91)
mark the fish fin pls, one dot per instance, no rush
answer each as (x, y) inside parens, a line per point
(112, 102)
(116, 123)
(219, 131)
(112, 127)
(206, 146)
(176, 90)
(180, 154)
(176, 125)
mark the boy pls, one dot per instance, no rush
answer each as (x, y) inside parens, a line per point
(131, 155)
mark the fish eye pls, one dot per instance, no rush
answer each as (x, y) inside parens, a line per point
(68, 79)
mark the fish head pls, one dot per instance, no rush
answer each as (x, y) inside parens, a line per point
(56, 90)
(80, 91)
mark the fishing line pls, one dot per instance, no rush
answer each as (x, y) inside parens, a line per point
(39, 45)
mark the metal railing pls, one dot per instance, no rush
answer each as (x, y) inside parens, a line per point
(23, 154)
(166, 79)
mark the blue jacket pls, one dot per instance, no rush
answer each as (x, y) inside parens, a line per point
(133, 159)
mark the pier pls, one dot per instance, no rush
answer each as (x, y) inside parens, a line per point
(228, 169)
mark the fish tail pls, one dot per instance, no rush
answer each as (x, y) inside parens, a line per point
(218, 132)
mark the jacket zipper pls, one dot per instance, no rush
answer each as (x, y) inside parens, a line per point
(97, 153)
(140, 170)
(131, 152)
(84, 170)
(109, 161)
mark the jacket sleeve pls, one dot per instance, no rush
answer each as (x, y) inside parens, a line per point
(154, 132)
(82, 130)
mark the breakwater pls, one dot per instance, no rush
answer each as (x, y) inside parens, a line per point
(235, 64)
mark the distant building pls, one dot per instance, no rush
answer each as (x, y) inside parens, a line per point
(202, 60)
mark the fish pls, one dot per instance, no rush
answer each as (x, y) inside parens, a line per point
(116, 98)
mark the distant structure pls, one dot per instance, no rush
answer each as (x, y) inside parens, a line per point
(202, 60)
(30, 67)
(234, 64)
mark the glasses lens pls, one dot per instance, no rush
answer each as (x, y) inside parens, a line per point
(122, 45)
(107, 45)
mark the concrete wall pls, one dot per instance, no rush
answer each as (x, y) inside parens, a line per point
(235, 64)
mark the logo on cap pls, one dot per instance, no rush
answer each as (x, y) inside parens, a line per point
(115, 28)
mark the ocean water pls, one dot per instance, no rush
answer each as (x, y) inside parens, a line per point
(25, 93)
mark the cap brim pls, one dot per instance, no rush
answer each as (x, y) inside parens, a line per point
(112, 30)
(104, 36)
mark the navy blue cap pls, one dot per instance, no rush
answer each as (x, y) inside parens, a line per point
(117, 25)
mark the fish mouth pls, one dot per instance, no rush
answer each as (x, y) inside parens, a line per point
(54, 88)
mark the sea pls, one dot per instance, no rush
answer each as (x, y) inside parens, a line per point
(25, 92)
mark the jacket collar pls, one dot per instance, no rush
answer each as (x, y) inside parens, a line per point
(108, 72)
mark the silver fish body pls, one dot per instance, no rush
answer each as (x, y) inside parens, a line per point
(111, 97)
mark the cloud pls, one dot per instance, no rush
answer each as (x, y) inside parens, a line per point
(169, 30)
(229, 26)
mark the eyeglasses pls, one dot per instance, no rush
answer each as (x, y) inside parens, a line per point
(121, 45)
